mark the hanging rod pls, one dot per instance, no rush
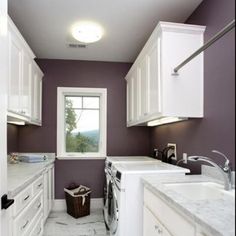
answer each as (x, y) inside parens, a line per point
(220, 34)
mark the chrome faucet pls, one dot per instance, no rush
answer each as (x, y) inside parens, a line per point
(225, 170)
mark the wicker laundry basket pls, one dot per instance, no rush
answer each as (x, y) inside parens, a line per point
(78, 201)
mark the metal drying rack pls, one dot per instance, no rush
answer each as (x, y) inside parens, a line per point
(220, 34)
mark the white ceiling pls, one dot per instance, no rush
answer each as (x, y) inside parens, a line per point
(45, 24)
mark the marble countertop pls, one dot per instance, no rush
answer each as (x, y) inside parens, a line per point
(22, 174)
(216, 216)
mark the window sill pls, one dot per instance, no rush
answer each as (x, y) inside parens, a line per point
(68, 158)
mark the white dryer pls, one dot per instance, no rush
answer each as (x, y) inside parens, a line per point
(126, 214)
(109, 162)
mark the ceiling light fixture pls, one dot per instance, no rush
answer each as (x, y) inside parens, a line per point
(87, 32)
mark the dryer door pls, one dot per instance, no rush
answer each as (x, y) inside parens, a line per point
(113, 208)
(106, 184)
(106, 202)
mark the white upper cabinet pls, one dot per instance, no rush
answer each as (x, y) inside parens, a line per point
(158, 95)
(25, 80)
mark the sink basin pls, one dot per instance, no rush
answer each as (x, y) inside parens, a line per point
(200, 191)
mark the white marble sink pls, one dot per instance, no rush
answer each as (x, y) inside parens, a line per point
(200, 190)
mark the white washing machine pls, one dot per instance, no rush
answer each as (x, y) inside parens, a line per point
(110, 161)
(126, 214)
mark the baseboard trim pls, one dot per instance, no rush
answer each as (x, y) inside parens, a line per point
(60, 204)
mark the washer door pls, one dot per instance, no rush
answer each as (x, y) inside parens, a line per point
(113, 208)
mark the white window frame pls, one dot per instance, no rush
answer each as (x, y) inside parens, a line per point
(70, 91)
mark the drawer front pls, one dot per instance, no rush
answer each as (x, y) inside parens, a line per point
(38, 229)
(26, 217)
(38, 185)
(22, 200)
(168, 215)
(152, 226)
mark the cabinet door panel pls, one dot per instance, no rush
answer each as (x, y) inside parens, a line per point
(45, 195)
(135, 96)
(154, 91)
(49, 191)
(15, 62)
(144, 87)
(130, 99)
(52, 186)
(36, 96)
(26, 83)
(138, 82)
(39, 99)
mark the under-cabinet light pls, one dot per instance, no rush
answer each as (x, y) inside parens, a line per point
(165, 120)
(16, 122)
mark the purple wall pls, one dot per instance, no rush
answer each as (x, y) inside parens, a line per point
(12, 138)
(217, 129)
(120, 140)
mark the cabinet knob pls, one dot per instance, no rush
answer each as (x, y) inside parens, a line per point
(158, 229)
(39, 231)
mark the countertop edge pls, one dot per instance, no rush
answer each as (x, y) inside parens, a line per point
(18, 189)
(181, 209)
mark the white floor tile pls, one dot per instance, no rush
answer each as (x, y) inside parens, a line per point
(62, 224)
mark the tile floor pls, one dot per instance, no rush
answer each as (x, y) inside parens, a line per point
(62, 224)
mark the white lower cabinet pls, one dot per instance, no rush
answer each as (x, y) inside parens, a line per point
(32, 206)
(48, 186)
(160, 218)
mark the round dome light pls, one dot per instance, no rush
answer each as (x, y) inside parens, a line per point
(87, 32)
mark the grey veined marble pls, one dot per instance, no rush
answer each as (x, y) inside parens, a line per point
(62, 224)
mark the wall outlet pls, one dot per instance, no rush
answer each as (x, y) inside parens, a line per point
(185, 158)
(172, 151)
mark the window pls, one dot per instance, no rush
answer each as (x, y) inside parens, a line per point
(81, 122)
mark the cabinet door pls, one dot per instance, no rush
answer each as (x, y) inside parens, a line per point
(137, 94)
(45, 195)
(36, 96)
(15, 73)
(130, 99)
(154, 77)
(26, 85)
(152, 226)
(49, 197)
(52, 186)
(144, 80)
